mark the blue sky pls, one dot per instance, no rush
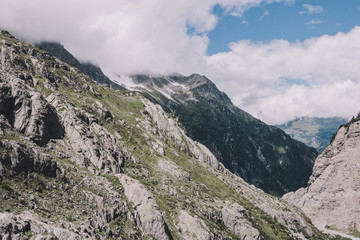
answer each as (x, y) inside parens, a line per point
(284, 21)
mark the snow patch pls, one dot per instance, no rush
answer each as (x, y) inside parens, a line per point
(122, 80)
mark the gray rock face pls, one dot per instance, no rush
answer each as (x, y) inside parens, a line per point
(18, 226)
(28, 112)
(25, 159)
(103, 150)
(13, 228)
(171, 129)
(233, 218)
(192, 227)
(146, 211)
(332, 197)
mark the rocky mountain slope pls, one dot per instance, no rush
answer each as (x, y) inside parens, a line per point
(262, 155)
(332, 198)
(314, 132)
(93, 71)
(81, 161)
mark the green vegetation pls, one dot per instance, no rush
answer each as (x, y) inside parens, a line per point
(12, 136)
(353, 230)
(29, 234)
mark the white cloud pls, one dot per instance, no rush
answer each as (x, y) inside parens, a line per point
(265, 13)
(259, 77)
(311, 9)
(314, 22)
(339, 98)
(127, 36)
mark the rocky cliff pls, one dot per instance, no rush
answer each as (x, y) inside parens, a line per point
(81, 161)
(332, 197)
(262, 155)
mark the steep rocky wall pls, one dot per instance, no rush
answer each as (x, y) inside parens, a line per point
(332, 198)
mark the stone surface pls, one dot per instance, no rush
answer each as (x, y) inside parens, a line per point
(332, 198)
(146, 211)
(29, 113)
(192, 227)
(233, 218)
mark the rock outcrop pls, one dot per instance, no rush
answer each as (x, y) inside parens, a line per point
(28, 112)
(332, 198)
(146, 213)
(59, 51)
(233, 217)
(192, 227)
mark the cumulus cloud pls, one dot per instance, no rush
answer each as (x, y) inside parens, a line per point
(279, 80)
(126, 36)
(339, 98)
(311, 9)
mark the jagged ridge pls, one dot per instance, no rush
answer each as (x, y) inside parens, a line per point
(93, 71)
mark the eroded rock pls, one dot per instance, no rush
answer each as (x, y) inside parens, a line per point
(146, 211)
(233, 218)
(192, 227)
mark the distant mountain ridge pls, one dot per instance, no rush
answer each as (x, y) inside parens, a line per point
(263, 155)
(313, 131)
(93, 71)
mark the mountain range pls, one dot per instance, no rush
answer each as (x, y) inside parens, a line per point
(262, 155)
(313, 131)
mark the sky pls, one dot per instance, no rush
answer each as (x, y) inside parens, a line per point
(276, 59)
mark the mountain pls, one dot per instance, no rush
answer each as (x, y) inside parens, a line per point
(93, 71)
(81, 161)
(262, 155)
(314, 132)
(231, 134)
(332, 196)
